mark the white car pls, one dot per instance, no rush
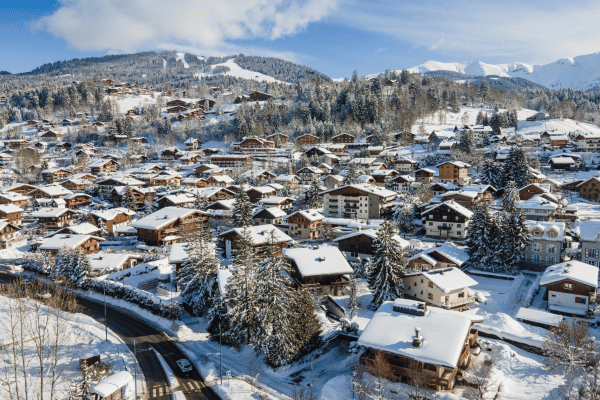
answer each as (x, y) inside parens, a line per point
(184, 365)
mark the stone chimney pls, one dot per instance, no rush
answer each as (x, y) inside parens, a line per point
(417, 339)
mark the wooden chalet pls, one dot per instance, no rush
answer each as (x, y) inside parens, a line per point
(169, 225)
(260, 240)
(305, 224)
(279, 137)
(342, 138)
(103, 166)
(55, 175)
(54, 218)
(11, 213)
(307, 140)
(76, 200)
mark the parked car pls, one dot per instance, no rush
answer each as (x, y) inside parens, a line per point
(184, 365)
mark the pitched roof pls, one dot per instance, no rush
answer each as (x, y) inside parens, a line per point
(589, 230)
(163, 217)
(573, 270)
(319, 260)
(67, 240)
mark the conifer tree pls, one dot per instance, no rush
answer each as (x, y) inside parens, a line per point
(307, 326)
(535, 162)
(241, 293)
(242, 211)
(405, 218)
(352, 175)
(200, 202)
(91, 219)
(103, 228)
(315, 200)
(467, 141)
(287, 189)
(148, 206)
(385, 275)
(475, 235)
(129, 199)
(81, 268)
(511, 198)
(275, 336)
(62, 268)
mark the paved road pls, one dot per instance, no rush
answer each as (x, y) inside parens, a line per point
(128, 329)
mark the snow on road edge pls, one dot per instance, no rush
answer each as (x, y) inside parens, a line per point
(169, 375)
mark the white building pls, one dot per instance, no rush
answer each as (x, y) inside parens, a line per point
(571, 287)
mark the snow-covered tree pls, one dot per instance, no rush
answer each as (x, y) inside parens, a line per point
(354, 302)
(314, 199)
(148, 206)
(475, 235)
(307, 326)
(570, 346)
(242, 210)
(241, 293)
(81, 268)
(200, 202)
(405, 218)
(352, 175)
(387, 269)
(466, 141)
(129, 199)
(516, 168)
(491, 174)
(511, 198)
(102, 227)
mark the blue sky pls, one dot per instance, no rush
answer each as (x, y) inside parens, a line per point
(332, 36)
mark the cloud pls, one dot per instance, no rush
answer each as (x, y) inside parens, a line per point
(130, 25)
(529, 31)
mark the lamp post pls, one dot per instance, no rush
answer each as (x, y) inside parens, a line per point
(221, 353)
(135, 365)
(105, 325)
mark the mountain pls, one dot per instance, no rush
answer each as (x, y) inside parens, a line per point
(152, 66)
(581, 72)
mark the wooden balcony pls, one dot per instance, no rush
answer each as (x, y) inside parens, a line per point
(459, 302)
(473, 335)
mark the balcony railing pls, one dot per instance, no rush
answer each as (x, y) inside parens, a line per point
(459, 302)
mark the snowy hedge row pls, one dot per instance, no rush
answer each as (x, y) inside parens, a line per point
(136, 296)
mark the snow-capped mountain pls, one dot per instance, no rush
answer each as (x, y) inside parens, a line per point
(581, 72)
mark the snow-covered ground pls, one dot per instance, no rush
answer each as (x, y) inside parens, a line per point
(238, 72)
(181, 57)
(85, 338)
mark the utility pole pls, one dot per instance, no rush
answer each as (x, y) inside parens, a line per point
(105, 325)
(221, 352)
(135, 365)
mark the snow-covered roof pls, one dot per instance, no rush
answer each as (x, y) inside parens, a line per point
(275, 212)
(539, 316)
(108, 386)
(562, 160)
(108, 261)
(310, 215)
(10, 208)
(453, 205)
(274, 200)
(443, 332)
(49, 212)
(319, 260)
(449, 250)
(54, 190)
(589, 230)
(178, 253)
(574, 270)
(263, 189)
(376, 190)
(110, 214)
(162, 217)
(260, 234)
(83, 229)
(547, 227)
(372, 233)
(458, 164)
(223, 277)
(449, 279)
(67, 240)
(286, 178)
(465, 193)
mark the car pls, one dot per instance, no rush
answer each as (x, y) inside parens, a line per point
(184, 365)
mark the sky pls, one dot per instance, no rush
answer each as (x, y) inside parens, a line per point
(335, 37)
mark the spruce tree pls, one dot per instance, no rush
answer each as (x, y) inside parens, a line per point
(275, 336)
(352, 175)
(200, 202)
(315, 200)
(405, 218)
(82, 268)
(385, 275)
(511, 198)
(103, 228)
(287, 189)
(242, 211)
(307, 327)
(148, 206)
(129, 199)
(241, 293)
(475, 235)
(467, 141)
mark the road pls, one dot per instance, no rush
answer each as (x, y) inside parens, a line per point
(130, 329)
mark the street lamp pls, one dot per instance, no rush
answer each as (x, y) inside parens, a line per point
(105, 325)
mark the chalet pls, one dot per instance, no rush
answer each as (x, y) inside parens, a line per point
(447, 220)
(89, 244)
(400, 183)
(140, 194)
(559, 141)
(547, 245)
(184, 102)
(309, 174)
(165, 180)
(338, 149)
(259, 193)
(76, 200)
(539, 208)
(293, 180)
(231, 160)
(560, 164)
(456, 172)
(192, 144)
(588, 141)
(305, 224)
(359, 245)
(169, 225)
(51, 135)
(283, 203)
(82, 229)
(533, 189)
(105, 263)
(405, 165)
(219, 180)
(437, 137)
(176, 109)
(260, 236)
(196, 113)
(258, 176)
(112, 388)
(333, 181)
(11, 213)
(422, 345)
(383, 176)
(138, 140)
(364, 162)
(206, 104)
(49, 192)
(589, 189)
(358, 201)
(103, 166)
(319, 268)
(571, 287)
(113, 217)
(252, 145)
(10, 236)
(54, 218)
(278, 139)
(20, 188)
(194, 183)
(268, 216)
(374, 150)
(342, 138)
(530, 142)
(307, 140)
(170, 153)
(180, 199)
(77, 184)
(446, 288)
(465, 198)
(206, 169)
(14, 199)
(443, 256)
(54, 175)
(590, 241)
(105, 186)
(424, 175)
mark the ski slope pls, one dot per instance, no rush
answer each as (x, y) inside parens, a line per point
(238, 72)
(181, 57)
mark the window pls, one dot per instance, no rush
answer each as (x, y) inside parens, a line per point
(580, 300)
(421, 292)
(553, 294)
(461, 295)
(431, 224)
(430, 296)
(458, 225)
(538, 247)
(568, 286)
(430, 284)
(421, 280)
(415, 284)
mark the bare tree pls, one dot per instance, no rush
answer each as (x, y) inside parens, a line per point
(569, 345)
(483, 386)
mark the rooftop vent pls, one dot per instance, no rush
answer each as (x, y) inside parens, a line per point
(321, 258)
(416, 311)
(417, 339)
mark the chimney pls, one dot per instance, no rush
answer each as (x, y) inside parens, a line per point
(417, 339)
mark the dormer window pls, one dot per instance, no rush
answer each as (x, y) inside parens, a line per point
(536, 233)
(552, 234)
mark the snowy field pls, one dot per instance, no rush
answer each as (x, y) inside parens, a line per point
(85, 337)
(238, 72)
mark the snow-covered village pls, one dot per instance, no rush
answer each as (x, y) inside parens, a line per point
(178, 225)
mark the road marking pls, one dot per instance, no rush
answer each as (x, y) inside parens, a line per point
(191, 385)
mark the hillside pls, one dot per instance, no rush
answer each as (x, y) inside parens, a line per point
(581, 72)
(150, 67)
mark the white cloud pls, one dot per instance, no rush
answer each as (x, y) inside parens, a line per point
(130, 25)
(528, 31)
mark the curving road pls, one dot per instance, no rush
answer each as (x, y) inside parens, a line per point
(128, 329)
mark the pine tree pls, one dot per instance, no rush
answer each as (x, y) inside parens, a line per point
(535, 162)
(315, 200)
(516, 168)
(307, 326)
(242, 211)
(475, 235)
(62, 268)
(385, 275)
(91, 219)
(353, 302)
(287, 189)
(518, 238)
(511, 198)
(200, 202)
(467, 141)
(405, 218)
(82, 268)
(352, 175)
(275, 336)
(148, 206)
(103, 228)
(241, 293)
(129, 199)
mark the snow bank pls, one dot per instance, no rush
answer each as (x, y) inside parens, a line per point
(531, 292)
(171, 379)
(505, 327)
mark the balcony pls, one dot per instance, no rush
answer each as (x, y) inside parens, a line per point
(444, 228)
